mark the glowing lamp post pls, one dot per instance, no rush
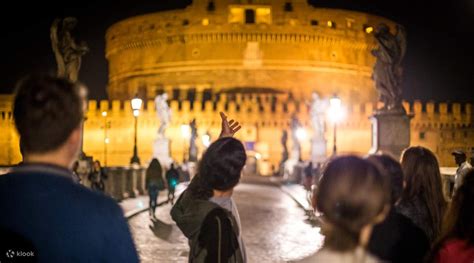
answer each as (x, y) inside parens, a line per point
(106, 138)
(136, 106)
(301, 134)
(186, 133)
(335, 115)
(206, 140)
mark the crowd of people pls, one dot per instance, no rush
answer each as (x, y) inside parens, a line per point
(373, 209)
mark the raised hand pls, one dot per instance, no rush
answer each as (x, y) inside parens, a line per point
(229, 128)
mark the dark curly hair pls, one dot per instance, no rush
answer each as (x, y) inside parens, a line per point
(220, 168)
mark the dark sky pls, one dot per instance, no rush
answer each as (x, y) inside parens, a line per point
(439, 64)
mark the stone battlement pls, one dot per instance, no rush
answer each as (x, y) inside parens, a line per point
(435, 115)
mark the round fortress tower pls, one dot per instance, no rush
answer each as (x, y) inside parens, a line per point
(260, 46)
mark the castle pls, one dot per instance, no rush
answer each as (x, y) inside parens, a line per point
(259, 61)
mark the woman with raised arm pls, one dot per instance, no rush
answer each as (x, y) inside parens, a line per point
(206, 212)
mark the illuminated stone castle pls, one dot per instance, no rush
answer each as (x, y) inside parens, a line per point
(259, 61)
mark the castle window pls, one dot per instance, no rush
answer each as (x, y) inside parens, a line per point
(259, 15)
(465, 134)
(249, 16)
(314, 22)
(422, 135)
(264, 15)
(236, 14)
(185, 22)
(288, 7)
(368, 29)
(349, 22)
(331, 24)
(211, 6)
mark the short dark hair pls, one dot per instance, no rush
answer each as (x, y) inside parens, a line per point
(392, 169)
(222, 163)
(46, 111)
(220, 168)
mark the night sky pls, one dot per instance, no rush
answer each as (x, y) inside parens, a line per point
(439, 63)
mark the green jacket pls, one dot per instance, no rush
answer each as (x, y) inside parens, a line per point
(210, 229)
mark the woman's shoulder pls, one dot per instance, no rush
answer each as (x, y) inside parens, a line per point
(456, 244)
(217, 213)
(455, 250)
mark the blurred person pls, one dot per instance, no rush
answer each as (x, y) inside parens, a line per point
(463, 167)
(172, 179)
(456, 243)
(154, 184)
(97, 177)
(353, 196)
(422, 199)
(206, 212)
(397, 238)
(62, 220)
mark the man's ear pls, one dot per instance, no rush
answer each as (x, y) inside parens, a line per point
(74, 140)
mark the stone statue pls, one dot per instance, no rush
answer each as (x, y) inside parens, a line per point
(284, 157)
(296, 147)
(192, 144)
(387, 69)
(284, 139)
(67, 52)
(164, 113)
(317, 112)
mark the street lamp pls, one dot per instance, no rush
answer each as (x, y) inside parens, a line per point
(301, 134)
(335, 115)
(106, 138)
(136, 106)
(186, 133)
(206, 139)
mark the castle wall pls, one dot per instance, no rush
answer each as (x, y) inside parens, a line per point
(299, 51)
(440, 127)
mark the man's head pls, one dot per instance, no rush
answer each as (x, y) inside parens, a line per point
(459, 156)
(48, 113)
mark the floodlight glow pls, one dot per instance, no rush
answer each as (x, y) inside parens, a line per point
(335, 111)
(301, 134)
(136, 103)
(186, 131)
(206, 140)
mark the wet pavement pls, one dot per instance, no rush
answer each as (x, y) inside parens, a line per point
(275, 229)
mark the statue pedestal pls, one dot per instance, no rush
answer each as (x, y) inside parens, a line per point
(390, 133)
(161, 151)
(318, 150)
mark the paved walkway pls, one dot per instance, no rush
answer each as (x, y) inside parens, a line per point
(134, 206)
(275, 229)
